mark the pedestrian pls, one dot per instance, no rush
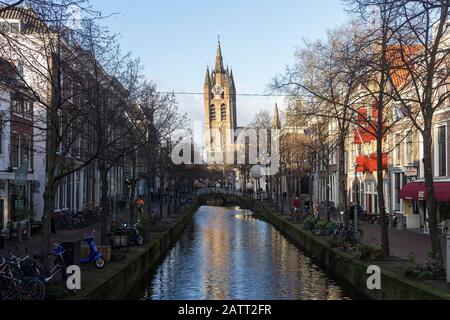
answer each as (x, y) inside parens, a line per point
(140, 204)
(316, 209)
(296, 206)
(307, 207)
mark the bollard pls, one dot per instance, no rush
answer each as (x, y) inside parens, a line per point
(19, 232)
(448, 260)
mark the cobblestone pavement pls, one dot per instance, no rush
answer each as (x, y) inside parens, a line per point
(34, 245)
(404, 243)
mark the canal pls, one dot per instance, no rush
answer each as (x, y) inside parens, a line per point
(227, 254)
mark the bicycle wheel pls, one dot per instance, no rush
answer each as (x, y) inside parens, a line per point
(359, 236)
(35, 286)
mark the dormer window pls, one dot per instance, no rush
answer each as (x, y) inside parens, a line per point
(22, 108)
(7, 26)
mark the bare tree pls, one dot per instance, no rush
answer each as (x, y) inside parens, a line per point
(422, 52)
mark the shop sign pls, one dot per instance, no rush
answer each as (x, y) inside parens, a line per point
(422, 195)
(20, 205)
(411, 172)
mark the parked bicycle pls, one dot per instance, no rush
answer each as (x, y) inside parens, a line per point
(15, 284)
(345, 236)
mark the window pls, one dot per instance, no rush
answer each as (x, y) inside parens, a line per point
(397, 189)
(409, 148)
(28, 110)
(398, 149)
(369, 114)
(78, 146)
(25, 151)
(9, 27)
(69, 191)
(358, 150)
(15, 150)
(22, 108)
(212, 113)
(60, 142)
(442, 151)
(223, 112)
(1, 133)
(17, 106)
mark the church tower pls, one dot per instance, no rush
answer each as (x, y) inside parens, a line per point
(220, 107)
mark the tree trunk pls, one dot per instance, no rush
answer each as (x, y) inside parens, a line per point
(431, 201)
(327, 195)
(49, 192)
(133, 202)
(104, 202)
(343, 179)
(381, 203)
(282, 194)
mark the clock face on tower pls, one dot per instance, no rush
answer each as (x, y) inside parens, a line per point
(217, 91)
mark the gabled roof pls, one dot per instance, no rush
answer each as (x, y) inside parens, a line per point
(31, 23)
(401, 60)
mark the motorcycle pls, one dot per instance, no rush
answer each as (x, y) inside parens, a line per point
(94, 255)
(134, 235)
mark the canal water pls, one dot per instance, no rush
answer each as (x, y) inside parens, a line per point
(227, 254)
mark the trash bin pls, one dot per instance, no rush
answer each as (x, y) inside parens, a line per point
(72, 254)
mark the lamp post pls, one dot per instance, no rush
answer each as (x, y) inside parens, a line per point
(256, 172)
(355, 201)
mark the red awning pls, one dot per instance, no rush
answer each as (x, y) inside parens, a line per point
(417, 191)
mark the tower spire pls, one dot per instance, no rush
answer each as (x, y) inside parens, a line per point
(207, 78)
(219, 57)
(276, 123)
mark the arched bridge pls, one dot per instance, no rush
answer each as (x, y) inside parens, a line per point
(228, 197)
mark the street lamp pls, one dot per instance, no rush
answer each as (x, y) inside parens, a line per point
(355, 201)
(257, 174)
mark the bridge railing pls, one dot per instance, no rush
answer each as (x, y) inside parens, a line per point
(211, 191)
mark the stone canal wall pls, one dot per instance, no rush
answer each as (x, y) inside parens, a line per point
(350, 271)
(120, 279)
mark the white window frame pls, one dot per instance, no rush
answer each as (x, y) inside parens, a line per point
(436, 149)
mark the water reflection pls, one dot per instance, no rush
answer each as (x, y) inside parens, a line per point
(228, 254)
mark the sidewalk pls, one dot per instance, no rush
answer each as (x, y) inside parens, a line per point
(403, 243)
(34, 245)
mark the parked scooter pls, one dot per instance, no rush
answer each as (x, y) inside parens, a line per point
(94, 255)
(133, 233)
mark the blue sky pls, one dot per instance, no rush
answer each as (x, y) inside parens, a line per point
(176, 39)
